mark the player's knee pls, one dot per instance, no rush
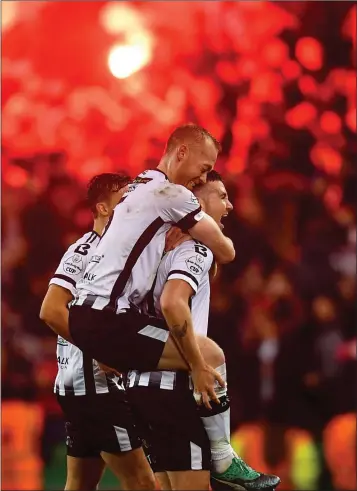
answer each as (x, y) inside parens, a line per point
(212, 353)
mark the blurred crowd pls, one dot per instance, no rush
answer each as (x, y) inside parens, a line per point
(275, 82)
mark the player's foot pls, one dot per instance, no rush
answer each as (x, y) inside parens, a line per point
(242, 477)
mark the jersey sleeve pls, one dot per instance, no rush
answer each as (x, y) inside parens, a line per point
(190, 262)
(72, 266)
(180, 206)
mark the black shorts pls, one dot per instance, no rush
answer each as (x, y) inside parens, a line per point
(103, 422)
(173, 433)
(127, 341)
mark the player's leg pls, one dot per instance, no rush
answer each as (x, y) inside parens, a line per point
(84, 473)
(190, 480)
(217, 421)
(84, 464)
(171, 357)
(164, 481)
(131, 468)
(117, 437)
(227, 467)
(146, 345)
(125, 341)
(102, 427)
(175, 440)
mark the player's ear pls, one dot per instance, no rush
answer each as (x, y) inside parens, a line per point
(102, 209)
(182, 152)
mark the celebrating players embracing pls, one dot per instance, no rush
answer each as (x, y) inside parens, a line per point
(105, 320)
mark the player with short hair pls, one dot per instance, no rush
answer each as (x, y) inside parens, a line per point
(99, 425)
(182, 436)
(105, 320)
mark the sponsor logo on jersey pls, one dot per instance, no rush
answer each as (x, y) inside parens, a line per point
(134, 184)
(63, 362)
(61, 341)
(96, 259)
(195, 264)
(141, 180)
(89, 276)
(73, 265)
(77, 259)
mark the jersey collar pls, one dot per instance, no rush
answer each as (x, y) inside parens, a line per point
(161, 172)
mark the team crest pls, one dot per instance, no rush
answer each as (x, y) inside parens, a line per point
(73, 265)
(195, 264)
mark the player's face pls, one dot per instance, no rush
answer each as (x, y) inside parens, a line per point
(216, 202)
(195, 161)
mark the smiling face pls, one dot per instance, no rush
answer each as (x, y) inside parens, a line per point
(194, 161)
(214, 198)
(191, 152)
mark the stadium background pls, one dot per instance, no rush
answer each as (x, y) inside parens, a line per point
(276, 83)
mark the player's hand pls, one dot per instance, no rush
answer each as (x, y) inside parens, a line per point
(108, 370)
(204, 378)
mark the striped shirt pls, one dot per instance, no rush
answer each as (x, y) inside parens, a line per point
(190, 262)
(132, 245)
(78, 374)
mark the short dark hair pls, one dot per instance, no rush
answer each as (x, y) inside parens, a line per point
(190, 131)
(101, 186)
(212, 176)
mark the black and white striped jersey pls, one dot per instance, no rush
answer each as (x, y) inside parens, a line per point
(77, 373)
(124, 266)
(190, 262)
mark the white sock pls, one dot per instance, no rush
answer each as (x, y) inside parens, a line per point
(218, 427)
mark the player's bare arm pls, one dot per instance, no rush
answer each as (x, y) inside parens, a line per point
(175, 308)
(54, 310)
(208, 232)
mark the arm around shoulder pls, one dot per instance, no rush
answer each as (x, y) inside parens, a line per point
(208, 232)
